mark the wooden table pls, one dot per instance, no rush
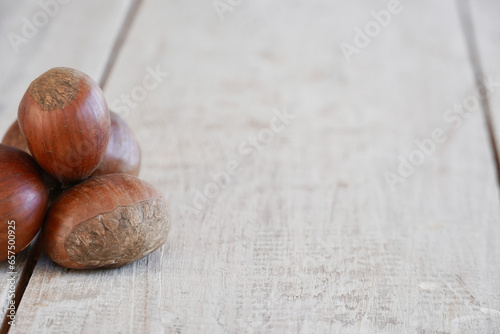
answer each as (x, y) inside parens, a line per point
(354, 145)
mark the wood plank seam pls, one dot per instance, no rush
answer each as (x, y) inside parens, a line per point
(467, 24)
(33, 256)
(120, 39)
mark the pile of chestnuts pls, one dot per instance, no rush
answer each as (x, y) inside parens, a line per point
(68, 167)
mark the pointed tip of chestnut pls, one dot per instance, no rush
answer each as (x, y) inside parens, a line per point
(65, 120)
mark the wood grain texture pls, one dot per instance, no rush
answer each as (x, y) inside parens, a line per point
(308, 237)
(65, 40)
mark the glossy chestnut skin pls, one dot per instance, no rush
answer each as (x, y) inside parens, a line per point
(123, 154)
(14, 137)
(65, 120)
(106, 221)
(24, 198)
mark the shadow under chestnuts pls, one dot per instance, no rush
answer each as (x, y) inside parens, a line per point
(69, 167)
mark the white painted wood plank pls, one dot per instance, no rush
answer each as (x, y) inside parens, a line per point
(77, 34)
(309, 237)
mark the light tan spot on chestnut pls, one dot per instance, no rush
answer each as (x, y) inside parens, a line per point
(56, 88)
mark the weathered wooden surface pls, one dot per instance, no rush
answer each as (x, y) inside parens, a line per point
(309, 236)
(64, 40)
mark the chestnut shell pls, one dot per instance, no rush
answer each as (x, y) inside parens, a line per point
(123, 154)
(24, 198)
(15, 138)
(65, 120)
(106, 221)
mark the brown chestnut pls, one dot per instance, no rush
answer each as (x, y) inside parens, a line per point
(24, 200)
(123, 154)
(14, 137)
(65, 120)
(106, 221)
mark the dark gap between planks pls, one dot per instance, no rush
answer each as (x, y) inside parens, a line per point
(32, 259)
(464, 12)
(119, 41)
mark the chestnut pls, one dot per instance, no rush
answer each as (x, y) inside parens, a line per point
(123, 154)
(24, 200)
(65, 120)
(14, 137)
(106, 221)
